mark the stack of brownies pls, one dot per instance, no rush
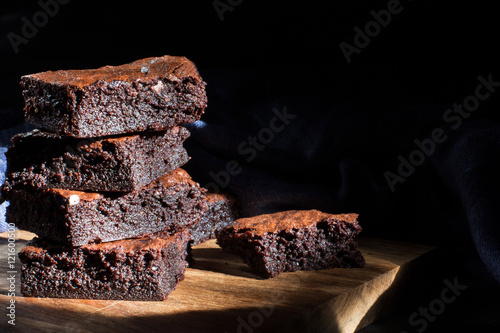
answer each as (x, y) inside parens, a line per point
(100, 182)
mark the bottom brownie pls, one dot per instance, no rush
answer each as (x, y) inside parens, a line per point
(142, 269)
(294, 240)
(222, 210)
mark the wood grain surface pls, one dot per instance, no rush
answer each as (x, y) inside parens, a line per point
(221, 294)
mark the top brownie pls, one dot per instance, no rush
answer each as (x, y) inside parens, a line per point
(151, 94)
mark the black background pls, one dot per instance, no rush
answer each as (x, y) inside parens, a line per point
(430, 54)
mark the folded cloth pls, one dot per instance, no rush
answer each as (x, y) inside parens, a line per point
(277, 152)
(457, 184)
(3, 206)
(469, 164)
(5, 136)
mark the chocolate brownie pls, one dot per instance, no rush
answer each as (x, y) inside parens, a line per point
(222, 210)
(294, 240)
(46, 160)
(147, 94)
(144, 269)
(75, 218)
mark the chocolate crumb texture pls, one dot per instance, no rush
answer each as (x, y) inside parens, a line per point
(143, 269)
(44, 160)
(75, 218)
(151, 94)
(294, 240)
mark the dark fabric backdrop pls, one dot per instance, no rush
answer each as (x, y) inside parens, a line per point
(350, 122)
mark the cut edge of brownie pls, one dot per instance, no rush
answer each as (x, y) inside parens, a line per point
(222, 211)
(118, 164)
(288, 242)
(150, 94)
(75, 218)
(145, 269)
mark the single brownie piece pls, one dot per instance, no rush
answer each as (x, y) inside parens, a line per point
(46, 160)
(75, 218)
(294, 240)
(222, 210)
(144, 269)
(148, 94)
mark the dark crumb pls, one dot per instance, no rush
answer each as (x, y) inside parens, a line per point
(114, 164)
(294, 240)
(75, 218)
(150, 94)
(222, 211)
(145, 269)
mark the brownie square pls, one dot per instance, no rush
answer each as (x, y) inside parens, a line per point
(45, 160)
(75, 218)
(144, 269)
(150, 94)
(222, 210)
(294, 240)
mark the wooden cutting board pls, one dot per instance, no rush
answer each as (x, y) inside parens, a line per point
(221, 294)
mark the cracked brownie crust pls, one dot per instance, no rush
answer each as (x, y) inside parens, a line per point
(294, 240)
(144, 269)
(118, 164)
(75, 218)
(150, 94)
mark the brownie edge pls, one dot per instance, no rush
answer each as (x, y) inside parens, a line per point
(222, 211)
(150, 94)
(144, 269)
(169, 204)
(112, 164)
(294, 240)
